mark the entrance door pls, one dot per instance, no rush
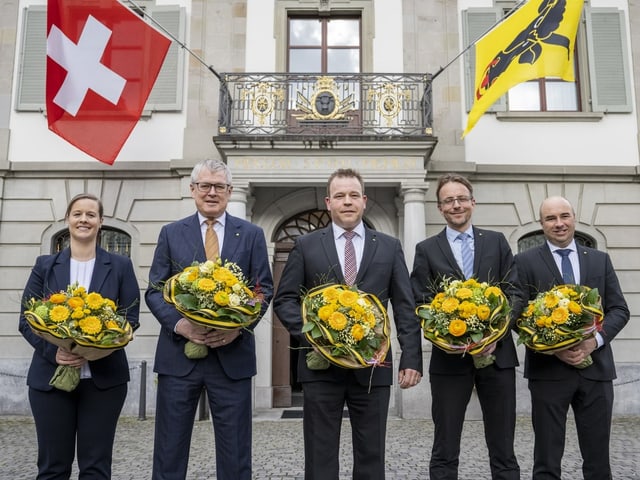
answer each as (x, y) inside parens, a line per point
(284, 348)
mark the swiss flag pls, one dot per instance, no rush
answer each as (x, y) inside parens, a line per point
(102, 62)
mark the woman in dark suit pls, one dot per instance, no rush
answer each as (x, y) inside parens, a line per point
(89, 413)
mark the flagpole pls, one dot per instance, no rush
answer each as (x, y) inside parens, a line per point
(175, 39)
(509, 13)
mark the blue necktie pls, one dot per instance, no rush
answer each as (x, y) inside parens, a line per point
(567, 270)
(467, 255)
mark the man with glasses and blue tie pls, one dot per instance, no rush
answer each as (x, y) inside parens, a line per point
(555, 382)
(225, 371)
(462, 251)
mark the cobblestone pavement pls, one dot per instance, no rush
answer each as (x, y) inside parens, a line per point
(277, 449)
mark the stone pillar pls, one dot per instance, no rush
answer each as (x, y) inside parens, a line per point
(240, 203)
(414, 231)
(414, 402)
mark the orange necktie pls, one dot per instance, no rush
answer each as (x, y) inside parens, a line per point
(211, 241)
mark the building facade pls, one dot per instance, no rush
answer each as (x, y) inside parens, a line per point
(286, 91)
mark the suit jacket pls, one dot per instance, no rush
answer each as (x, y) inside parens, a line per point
(179, 245)
(493, 263)
(538, 272)
(382, 272)
(114, 278)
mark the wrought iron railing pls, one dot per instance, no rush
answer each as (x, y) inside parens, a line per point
(315, 104)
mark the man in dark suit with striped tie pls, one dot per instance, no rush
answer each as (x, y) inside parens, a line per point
(462, 251)
(555, 382)
(378, 268)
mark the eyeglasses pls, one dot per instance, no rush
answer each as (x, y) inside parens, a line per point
(206, 187)
(462, 200)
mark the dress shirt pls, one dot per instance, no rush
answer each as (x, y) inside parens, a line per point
(358, 243)
(456, 245)
(575, 266)
(218, 227)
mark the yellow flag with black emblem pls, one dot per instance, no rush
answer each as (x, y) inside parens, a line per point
(535, 41)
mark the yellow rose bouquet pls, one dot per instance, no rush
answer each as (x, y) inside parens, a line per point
(83, 323)
(213, 294)
(347, 327)
(466, 316)
(560, 318)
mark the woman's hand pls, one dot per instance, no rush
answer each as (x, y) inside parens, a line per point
(65, 357)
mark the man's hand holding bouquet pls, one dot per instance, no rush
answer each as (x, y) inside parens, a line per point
(466, 316)
(214, 295)
(346, 327)
(81, 323)
(560, 318)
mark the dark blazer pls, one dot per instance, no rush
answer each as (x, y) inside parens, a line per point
(114, 278)
(493, 263)
(538, 272)
(179, 245)
(382, 272)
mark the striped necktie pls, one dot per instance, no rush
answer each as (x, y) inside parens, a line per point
(350, 264)
(467, 254)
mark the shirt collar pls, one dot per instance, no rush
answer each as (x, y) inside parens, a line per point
(221, 219)
(338, 231)
(453, 234)
(572, 246)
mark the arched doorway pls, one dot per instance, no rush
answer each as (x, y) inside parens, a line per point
(286, 390)
(283, 348)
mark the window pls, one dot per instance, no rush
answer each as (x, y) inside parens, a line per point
(111, 239)
(602, 69)
(545, 95)
(324, 45)
(167, 91)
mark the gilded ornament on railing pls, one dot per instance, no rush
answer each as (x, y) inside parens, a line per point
(388, 98)
(262, 99)
(325, 102)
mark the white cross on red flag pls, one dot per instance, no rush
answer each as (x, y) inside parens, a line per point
(102, 62)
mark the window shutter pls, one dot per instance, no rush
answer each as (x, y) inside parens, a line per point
(609, 72)
(33, 54)
(476, 22)
(167, 91)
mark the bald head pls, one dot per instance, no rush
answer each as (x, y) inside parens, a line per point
(558, 221)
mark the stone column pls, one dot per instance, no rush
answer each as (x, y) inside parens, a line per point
(413, 199)
(414, 402)
(240, 202)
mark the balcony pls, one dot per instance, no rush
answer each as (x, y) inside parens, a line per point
(284, 111)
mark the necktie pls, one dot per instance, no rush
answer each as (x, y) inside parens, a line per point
(350, 265)
(567, 270)
(211, 241)
(467, 255)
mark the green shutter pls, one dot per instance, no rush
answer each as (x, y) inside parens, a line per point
(33, 54)
(167, 91)
(476, 22)
(609, 71)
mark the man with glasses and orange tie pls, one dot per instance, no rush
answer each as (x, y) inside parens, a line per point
(462, 251)
(226, 371)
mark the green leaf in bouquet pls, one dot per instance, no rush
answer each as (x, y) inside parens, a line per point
(188, 301)
(316, 333)
(476, 336)
(592, 297)
(307, 327)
